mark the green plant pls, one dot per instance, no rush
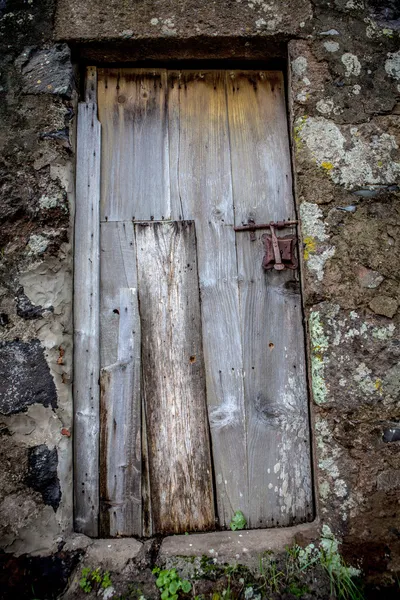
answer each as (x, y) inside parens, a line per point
(238, 521)
(170, 584)
(341, 576)
(94, 578)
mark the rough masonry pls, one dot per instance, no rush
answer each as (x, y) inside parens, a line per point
(343, 62)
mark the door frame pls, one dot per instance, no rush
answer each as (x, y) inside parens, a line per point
(86, 386)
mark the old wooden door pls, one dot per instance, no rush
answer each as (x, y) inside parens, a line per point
(203, 407)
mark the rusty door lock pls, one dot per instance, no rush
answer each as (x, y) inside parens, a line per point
(279, 251)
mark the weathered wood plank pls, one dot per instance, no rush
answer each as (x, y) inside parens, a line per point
(201, 180)
(86, 322)
(91, 84)
(117, 270)
(135, 181)
(120, 445)
(173, 378)
(271, 316)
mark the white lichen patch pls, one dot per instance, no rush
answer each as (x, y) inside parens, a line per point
(325, 106)
(349, 158)
(383, 333)
(392, 64)
(316, 262)
(356, 89)
(312, 224)
(37, 244)
(313, 229)
(367, 384)
(340, 488)
(299, 66)
(352, 65)
(331, 46)
(319, 345)
(50, 201)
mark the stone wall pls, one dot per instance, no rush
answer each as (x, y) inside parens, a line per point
(36, 122)
(344, 101)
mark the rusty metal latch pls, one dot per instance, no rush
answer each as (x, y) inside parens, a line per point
(279, 251)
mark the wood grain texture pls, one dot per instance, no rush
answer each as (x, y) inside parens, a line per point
(132, 108)
(201, 179)
(173, 378)
(279, 469)
(120, 439)
(86, 322)
(117, 270)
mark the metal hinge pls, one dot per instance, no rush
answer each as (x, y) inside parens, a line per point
(279, 251)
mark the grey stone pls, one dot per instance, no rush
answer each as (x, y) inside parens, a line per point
(42, 474)
(244, 546)
(391, 434)
(389, 480)
(368, 278)
(26, 309)
(47, 71)
(384, 305)
(77, 541)
(112, 555)
(25, 377)
(391, 382)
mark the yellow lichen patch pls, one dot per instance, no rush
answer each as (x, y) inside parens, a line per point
(297, 130)
(310, 247)
(328, 166)
(380, 164)
(378, 385)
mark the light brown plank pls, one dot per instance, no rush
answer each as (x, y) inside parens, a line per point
(135, 180)
(120, 419)
(86, 322)
(201, 190)
(270, 307)
(173, 378)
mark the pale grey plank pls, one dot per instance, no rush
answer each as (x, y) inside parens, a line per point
(118, 270)
(120, 418)
(173, 378)
(86, 322)
(135, 181)
(270, 316)
(201, 178)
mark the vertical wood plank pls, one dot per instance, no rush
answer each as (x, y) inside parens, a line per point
(271, 315)
(91, 84)
(118, 270)
(132, 108)
(173, 378)
(86, 322)
(120, 452)
(202, 190)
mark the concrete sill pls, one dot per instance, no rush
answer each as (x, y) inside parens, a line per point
(244, 546)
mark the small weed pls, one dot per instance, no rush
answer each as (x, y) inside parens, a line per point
(94, 579)
(238, 521)
(170, 584)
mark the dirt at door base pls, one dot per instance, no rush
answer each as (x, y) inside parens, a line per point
(243, 564)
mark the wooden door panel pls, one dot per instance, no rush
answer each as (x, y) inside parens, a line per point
(270, 307)
(120, 424)
(173, 384)
(120, 401)
(134, 150)
(186, 156)
(201, 177)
